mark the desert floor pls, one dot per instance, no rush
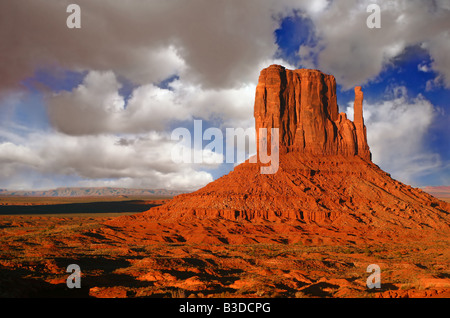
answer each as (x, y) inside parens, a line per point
(40, 238)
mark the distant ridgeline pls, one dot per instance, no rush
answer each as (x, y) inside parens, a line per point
(79, 192)
(438, 191)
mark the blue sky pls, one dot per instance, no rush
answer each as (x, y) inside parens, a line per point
(96, 106)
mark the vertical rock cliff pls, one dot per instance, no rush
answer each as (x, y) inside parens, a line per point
(302, 104)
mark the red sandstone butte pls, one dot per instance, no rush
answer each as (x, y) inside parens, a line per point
(302, 104)
(326, 183)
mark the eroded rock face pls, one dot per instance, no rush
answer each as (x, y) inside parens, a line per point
(302, 104)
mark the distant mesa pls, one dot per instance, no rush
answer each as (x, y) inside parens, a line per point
(326, 185)
(90, 192)
(438, 191)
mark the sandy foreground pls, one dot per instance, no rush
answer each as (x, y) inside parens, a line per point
(37, 249)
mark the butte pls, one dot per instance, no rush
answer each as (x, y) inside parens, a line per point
(326, 189)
